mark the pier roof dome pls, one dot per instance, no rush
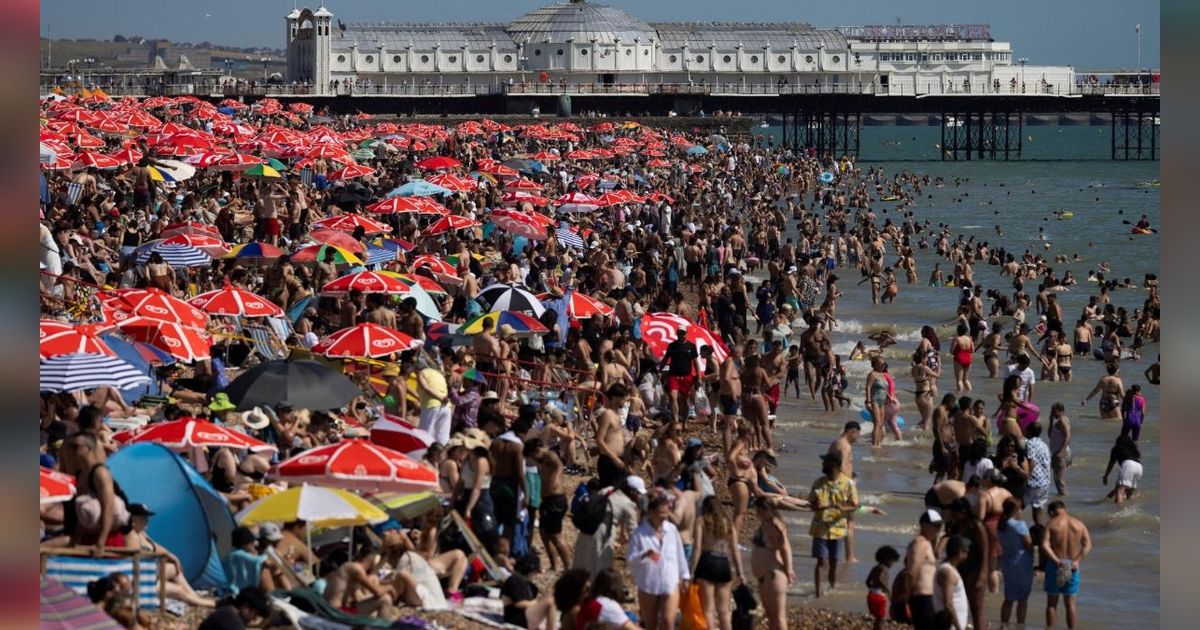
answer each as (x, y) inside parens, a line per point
(581, 21)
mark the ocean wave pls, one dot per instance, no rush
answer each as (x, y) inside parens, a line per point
(972, 227)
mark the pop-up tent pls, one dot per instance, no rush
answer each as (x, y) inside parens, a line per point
(190, 518)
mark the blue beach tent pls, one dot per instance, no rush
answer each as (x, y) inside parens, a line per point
(190, 517)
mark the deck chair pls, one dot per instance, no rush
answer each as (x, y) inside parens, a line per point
(266, 342)
(311, 602)
(75, 572)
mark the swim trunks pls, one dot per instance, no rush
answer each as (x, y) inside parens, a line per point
(729, 405)
(1068, 585)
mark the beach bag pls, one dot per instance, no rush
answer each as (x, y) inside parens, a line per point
(692, 609)
(743, 615)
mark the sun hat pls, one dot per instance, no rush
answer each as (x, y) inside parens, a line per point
(221, 402)
(255, 418)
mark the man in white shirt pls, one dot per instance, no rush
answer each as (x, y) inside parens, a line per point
(594, 552)
(1022, 370)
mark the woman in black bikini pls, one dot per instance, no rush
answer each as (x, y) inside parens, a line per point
(924, 379)
(771, 564)
(742, 478)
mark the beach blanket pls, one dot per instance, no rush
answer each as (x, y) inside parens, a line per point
(75, 573)
(429, 588)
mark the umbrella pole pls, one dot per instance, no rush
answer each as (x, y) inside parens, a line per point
(352, 542)
(312, 560)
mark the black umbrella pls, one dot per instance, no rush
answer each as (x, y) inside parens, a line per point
(303, 384)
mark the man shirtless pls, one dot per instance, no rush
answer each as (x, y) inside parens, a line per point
(380, 314)
(810, 347)
(485, 347)
(610, 439)
(730, 393)
(967, 427)
(946, 462)
(920, 566)
(1065, 544)
(554, 503)
(343, 585)
(683, 515)
(1112, 393)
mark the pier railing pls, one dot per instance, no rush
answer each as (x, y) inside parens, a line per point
(977, 88)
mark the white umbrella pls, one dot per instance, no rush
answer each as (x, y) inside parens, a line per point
(425, 304)
(179, 171)
(46, 155)
(73, 372)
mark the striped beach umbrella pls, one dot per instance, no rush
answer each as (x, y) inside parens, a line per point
(509, 297)
(377, 255)
(74, 372)
(174, 254)
(323, 507)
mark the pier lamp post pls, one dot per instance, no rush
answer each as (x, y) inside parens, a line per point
(1022, 61)
(264, 63)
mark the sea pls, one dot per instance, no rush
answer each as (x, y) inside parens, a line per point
(1064, 168)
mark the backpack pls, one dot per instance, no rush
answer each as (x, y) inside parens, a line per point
(589, 512)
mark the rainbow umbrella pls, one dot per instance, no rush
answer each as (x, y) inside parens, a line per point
(255, 249)
(314, 253)
(523, 324)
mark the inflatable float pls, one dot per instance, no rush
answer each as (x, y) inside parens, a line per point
(1138, 230)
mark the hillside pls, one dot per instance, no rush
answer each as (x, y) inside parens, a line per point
(140, 53)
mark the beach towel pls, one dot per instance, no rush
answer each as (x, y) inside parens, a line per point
(429, 588)
(75, 573)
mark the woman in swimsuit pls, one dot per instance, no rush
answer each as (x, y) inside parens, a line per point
(1063, 352)
(877, 389)
(717, 540)
(924, 379)
(176, 585)
(992, 496)
(991, 349)
(963, 349)
(742, 478)
(754, 400)
(771, 564)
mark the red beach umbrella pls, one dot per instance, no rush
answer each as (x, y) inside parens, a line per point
(357, 464)
(365, 340)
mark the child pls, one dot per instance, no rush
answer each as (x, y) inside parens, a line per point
(793, 369)
(836, 383)
(877, 584)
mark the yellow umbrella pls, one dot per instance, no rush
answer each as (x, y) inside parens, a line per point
(324, 507)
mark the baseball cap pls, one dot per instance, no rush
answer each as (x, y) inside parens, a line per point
(139, 509)
(931, 517)
(387, 526)
(693, 442)
(636, 483)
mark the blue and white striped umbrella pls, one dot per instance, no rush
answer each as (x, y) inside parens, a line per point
(567, 238)
(377, 255)
(73, 372)
(175, 254)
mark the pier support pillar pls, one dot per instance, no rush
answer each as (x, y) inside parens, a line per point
(829, 133)
(981, 136)
(1135, 135)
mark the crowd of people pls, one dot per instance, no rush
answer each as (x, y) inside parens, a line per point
(627, 453)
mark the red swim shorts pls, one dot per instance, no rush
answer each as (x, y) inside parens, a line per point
(681, 384)
(877, 605)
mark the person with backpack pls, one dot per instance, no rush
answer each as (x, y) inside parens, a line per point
(598, 513)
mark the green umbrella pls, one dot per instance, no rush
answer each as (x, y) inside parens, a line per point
(363, 154)
(276, 164)
(261, 170)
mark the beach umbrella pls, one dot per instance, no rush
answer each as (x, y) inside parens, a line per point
(426, 306)
(407, 505)
(392, 432)
(239, 162)
(365, 282)
(128, 155)
(74, 372)
(181, 342)
(328, 152)
(523, 185)
(178, 171)
(577, 202)
(214, 246)
(255, 249)
(453, 182)
(261, 170)
(321, 506)
(509, 297)
(449, 223)
(398, 245)
(581, 306)
(189, 432)
(57, 338)
(61, 608)
(398, 205)
(518, 197)
(190, 227)
(358, 464)
(424, 283)
(518, 223)
(696, 149)
(438, 162)
(339, 239)
(153, 304)
(376, 255)
(349, 222)
(351, 171)
(658, 163)
(419, 188)
(363, 154)
(434, 264)
(55, 487)
(365, 340)
(523, 325)
(91, 159)
(657, 196)
(303, 384)
(659, 330)
(231, 301)
(316, 252)
(174, 254)
(545, 156)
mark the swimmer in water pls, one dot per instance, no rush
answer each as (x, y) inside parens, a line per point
(999, 232)
(883, 339)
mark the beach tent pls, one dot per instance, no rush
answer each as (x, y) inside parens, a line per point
(190, 517)
(142, 356)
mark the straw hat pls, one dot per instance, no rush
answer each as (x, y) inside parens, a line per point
(506, 330)
(256, 418)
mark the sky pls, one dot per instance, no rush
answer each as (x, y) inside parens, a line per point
(1087, 34)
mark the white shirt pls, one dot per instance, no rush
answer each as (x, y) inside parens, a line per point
(659, 577)
(1027, 379)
